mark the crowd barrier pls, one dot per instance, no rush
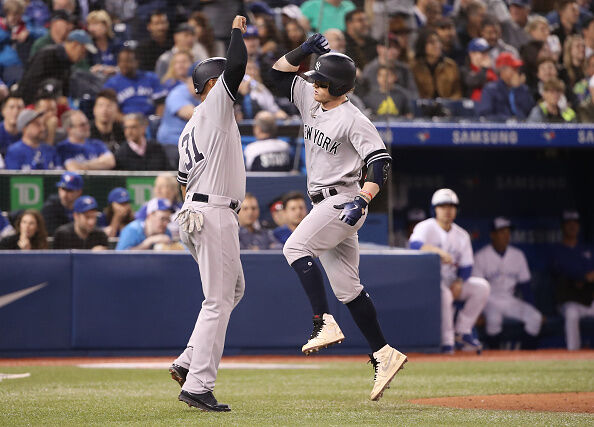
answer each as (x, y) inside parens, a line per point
(80, 302)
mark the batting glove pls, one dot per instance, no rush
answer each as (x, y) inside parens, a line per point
(317, 44)
(352, 211)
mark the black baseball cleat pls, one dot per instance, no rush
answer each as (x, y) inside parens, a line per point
(178, 373)
(204, 401)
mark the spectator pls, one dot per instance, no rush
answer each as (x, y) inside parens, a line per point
(546, 71)
(549, 109)
(148, 233)
(158, 42)
(442, 236)
(251, 234)
(507, 97)
(569, 14)
(574, 57)
(585, 110)
(138, 154)
(37, 13)
(580, 89)
(491, 32)
(513, 31)
(360, 46)
(57, 210)
(388, 57)
(118, 212)
(533, 53)
(60, 26)
(471, 25)
(179, 67)
(446, 30)
(252, 43)
(105, 127)
(401, 30)
(15, 39)
(179, 107)
(31, 233)
(9, 132)
(435, 75)
(184, 39)
(336, 40)
(426, 13)
(479, 71)
(389, 99)
(331, 16)
(588, 34)
(55, 62)
(82, 233)
(31, 152)
(538, 29)
(256, 96)
(572, 268)
(205, 34)
(137, 91)
(267, 153)
(165, 187)
(48, 105)
(268, 34)
(104, 62)
(505, 268)
(276, 213)
(79, 151)
(294, 210)
(294, 35)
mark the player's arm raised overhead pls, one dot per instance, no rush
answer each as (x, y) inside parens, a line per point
(236, 57)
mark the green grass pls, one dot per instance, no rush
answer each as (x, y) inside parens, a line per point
(336, 394)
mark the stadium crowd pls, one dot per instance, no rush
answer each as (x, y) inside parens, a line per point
(101, 85)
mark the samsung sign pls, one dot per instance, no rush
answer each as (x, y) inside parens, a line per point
(486, 137)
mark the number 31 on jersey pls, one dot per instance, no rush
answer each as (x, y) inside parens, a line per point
(195, 156)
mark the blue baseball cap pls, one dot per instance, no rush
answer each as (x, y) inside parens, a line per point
(478, 44)
(70, 181)
(82, 37)
(155, 205)
(84, 204)
(251, 31)
(118, 195)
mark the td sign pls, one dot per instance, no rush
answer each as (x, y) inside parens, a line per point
(26, 192)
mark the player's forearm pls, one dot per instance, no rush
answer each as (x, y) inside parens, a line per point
(430, 248)
(283, 65)
(183, 191)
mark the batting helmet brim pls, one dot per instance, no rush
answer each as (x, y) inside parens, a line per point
(314, 75)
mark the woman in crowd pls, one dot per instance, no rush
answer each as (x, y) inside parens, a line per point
(205, 34)
(178, 69)
(99, 26)
(268, 34)
(574, 56)
(436, 76)
(292, 37)
(31, 233)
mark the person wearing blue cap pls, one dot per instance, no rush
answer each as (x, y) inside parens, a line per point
(146, 234)
(57, 210)
(479, 70)
(55, 61)
(179, 107)
(118, 212)
(82, 233)
(514, 30)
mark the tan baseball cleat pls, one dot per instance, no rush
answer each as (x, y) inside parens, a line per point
(326, 332)
(386, 363)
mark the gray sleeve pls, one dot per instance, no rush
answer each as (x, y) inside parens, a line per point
(365, 139)
(301, 94)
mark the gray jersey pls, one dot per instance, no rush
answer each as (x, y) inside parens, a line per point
(210, 152)
(338, 142)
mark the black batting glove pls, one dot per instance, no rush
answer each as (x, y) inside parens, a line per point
(317, 44)
(352, 211)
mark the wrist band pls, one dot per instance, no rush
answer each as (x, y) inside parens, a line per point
(366, 195)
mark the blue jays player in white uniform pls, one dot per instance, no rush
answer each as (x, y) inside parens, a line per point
(505, 268)
(442, 236)
(212, 177)
(339, 142)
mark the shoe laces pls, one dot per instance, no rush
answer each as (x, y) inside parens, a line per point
(318, 324)
(375, 364)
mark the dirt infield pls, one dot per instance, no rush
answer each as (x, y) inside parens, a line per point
(487, 356)
(544, 402)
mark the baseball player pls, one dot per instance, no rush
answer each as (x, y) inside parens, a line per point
(505, 268)
(212, 177)
(339, 142)
(452, 243)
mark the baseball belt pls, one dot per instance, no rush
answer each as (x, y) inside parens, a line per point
(199, 197)
(326, 192)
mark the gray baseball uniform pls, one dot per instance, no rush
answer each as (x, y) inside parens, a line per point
(339, 142)
(211, 164)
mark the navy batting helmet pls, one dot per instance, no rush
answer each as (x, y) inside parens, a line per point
(336, 69)
(210, 68)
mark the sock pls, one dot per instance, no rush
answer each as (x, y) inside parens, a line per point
(311, 278)
(365, 316)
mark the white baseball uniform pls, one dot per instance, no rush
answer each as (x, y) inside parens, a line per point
(475, 290)
(338, 143)
(504, 272)
(211, 164)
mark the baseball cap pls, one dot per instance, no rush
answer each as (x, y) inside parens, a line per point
(501, 222)
(260, 8)
(82, 37)
(155, 205)
(478, 44)
(63, 15)
(25, 117)
(507, 59)
(570, 215)
(292, 11)
(251, 31)
(84, 204)
(184, 27)
(118, 195)
(276, 206)
(70, 181)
